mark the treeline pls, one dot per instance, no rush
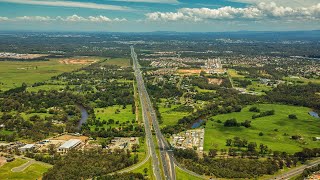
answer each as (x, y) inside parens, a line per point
(307, 172)
(225, 168)
(300, 95)
(122, 176)
(242, 167)
(89, 164)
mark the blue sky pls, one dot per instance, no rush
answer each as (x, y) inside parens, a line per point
(159, 15)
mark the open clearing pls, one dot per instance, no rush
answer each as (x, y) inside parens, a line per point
(78, 60)
(32, 172)
(273, 127)
(123, 62)
(170, 116)
(110, 113)
(14, 73)
(189, 71)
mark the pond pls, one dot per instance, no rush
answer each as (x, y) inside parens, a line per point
(197, 124)
(314, 114)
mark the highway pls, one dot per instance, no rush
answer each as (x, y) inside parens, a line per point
(166, 160)
(296, 171)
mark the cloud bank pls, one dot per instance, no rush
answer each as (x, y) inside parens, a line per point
(73, 4)
(74, 18)
(257, 12)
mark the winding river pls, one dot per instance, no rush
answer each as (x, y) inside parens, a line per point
(84, 116)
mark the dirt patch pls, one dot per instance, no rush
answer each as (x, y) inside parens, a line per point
(215, 81)
(77, 61)
(189, 71)
(2, 161)
(68, 137)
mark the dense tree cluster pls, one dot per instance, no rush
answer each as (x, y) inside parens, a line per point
(225, 168)
(301, 95)
(88, 164)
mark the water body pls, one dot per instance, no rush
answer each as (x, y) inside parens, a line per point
(197, 124)
(314, 114)
(84, 116)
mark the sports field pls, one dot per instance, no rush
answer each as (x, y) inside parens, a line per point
(14, 73)
(277, 129)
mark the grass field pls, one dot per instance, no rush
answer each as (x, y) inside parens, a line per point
(147, 165)
(305, 126)
(169, 116)
(234, 74)
(181, 175)
(14, 73)
(34, 171)
(123, 62)
(48, 87)
(258, 87)
(109, 113)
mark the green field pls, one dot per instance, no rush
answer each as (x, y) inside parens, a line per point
(48, 88)
(34, 171)
(181, 175)
(14, 73)
(273, 127)
(123, 62)
(147, 165)
(169, 116)
(109, 113)
(234, 74)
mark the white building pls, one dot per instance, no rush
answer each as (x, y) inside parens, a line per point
(70, 144)
(27, 147)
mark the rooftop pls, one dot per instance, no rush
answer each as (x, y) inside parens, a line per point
(70, 143)
(27, 146)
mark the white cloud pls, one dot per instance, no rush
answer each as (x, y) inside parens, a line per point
(287, 3)
(257, 12)
(3, 19)
(74, 18)
(34, 18)
(152, 1)
(68, 4)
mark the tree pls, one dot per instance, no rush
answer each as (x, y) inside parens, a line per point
(229, 142)
(212, 153)
(252, 146)
(134, 147)
(145, 170)
(51, 149)
(292, 116)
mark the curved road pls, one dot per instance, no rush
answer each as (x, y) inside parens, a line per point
(296, 171)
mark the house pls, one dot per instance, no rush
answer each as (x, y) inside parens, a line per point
(68, 145)
(27, 147)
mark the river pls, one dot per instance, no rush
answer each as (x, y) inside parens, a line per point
(84, 116)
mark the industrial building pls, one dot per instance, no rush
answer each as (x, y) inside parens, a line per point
(68, 145)
(27, 147)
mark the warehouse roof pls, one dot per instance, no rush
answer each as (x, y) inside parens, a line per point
(27, 146)
(70, 143)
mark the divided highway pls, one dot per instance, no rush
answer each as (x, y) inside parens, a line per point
(166, 160)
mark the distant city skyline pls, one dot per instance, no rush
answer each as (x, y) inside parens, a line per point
(159, 15)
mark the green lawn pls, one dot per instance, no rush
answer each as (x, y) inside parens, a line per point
(34, 171)
(48, 88)
(181, 175)
(305, 126)
(123, 62)
(234, 74)
(147, 165)
(14, 73)
(109, 113)
(169, 116)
